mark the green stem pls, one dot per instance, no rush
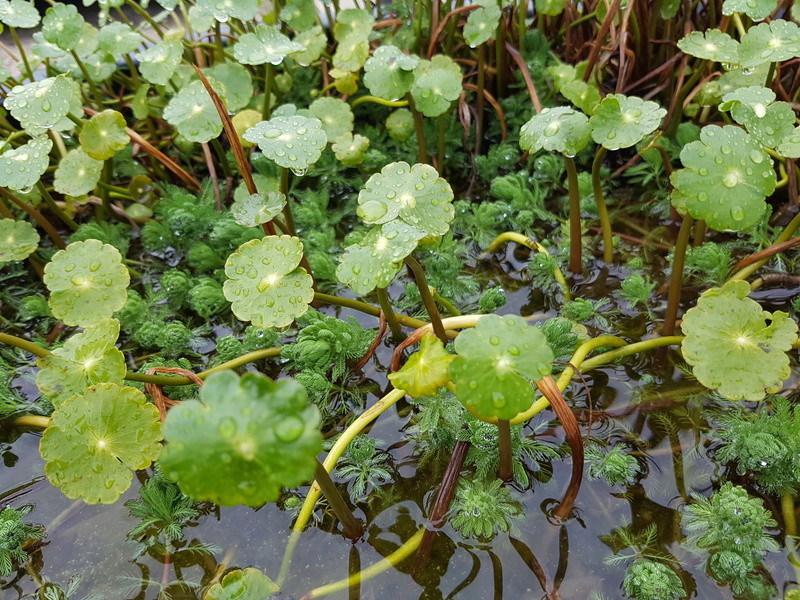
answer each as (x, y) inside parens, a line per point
(22, 54)
(268, 76)
(31, 421)
(440, 131)
(231, 364)
(376, 100)
(419, 129)
(504, 447)
(388, 312)
(22, 344)
(95, 91)
(787, 510)
(223, 158)
(676, 276)
(146, 16)
(602, 210)
(575, 262)
(479, 97)
(365, 308)
(787, 232)
(522, 9)
(770, 75)
(352, 527)
(427, 298)
(51, 204)
(447, 305)
(287, 209)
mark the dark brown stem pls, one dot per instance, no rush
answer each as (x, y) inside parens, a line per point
(352, 527)
(575, 265)
(504, 447)
(419, 129)
(427, 297)
(676, 277)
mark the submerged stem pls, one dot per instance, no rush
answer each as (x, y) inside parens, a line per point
(427, 298)
(504, 447)
(352, 527)
(676, 276)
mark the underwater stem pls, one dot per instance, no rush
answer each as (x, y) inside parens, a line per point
(352, 527)
(427, 297)
(504, 448)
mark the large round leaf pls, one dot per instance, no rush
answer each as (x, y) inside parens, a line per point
(95, 439)
(265, 285)
(44, 104)
(334, 114)
(426, 370)
(734, 346)
(293, 142)
(623, 121)
(711, 44)
(769, 122)
(87, 282)
(415, 195)
(776, 41)
(19, 13)
(193, 112)
(437, 83)
(84, 360)
(63, 25)
(559, 129)
(118, 38)
(247, 584)
(758, 10)
(495, 363)
(157, 64)
(21, 168)
(389, 73)
(104, 135)
(726, 177)
(266, 45)
(77, 173)
(18, 240)
(243, 441)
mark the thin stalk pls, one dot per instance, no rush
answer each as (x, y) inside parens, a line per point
(447, 305)
(498, 58)
(146, 16)
(787, 510)
(504, 448)
(365, 308)
(419, 129)
(352, 527)
(480, 98)
(23, 344)
(787, 232)
(287, 209)
(58, 241)
(770, 75)
(575, 262)
(95, 91)
(22, 54)
(388, 312)
(522, 27)
(676, 277)
(699, 232)
(107, 174)
(223, 158)
(427, 298)
(440, 130)
(51, 204)
(31, 421)
(376, 100)
(602, 210)
(268, 77)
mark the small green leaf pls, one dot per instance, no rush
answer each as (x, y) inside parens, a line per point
(94, 441)
(552, 8)
(118, 38)
(482, 23)
(224, 10)
(77, 173)
(755, 97)
(558, 129)
(255, 209)
(293, 142)
(243, 441)
(400, 124)
(426, 370)
(352, 30)
(437, 83)
(735, 347)
(19, 13)
(266, 45)
(84, 360)
(313, 42)
(44, 104)
(300, 15)
(726, 178)
(191, 111)
(776, 41)
(157, 64)
(247, 584)
(265, 285)
(790, 145)
(237, 84)
(623, 121)
(389, 73)
(87, 282)
(21, 168)
(334, 114)
(350, 149)
(415, 195)
(770, 129)
(18, 240)
(63, 26)
(200, 18)
(711, 44)
(104, 135)
(758, 10)
(495, 363)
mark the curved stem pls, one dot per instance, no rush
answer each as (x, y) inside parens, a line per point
(365, 308)
(419, 129)
(377, 100)
(22, 54)
(31, 421)
(575, 263)
(787, 232)
(51, 204)
(427, 297)
(602, 210)
(388, 312)
(676, 277)
(231, 364)
(22, 344)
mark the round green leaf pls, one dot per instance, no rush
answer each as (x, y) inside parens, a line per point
(437, 83)
(790, 145)
(63, 25)
(711, 44)
(192, 112)
(265, 285)
(352, 30)
(118, 38)
(376, 259)
(623, 121)
(568, 80)
(293, 142)
(734, 346)
(770, 129)
(496, 361)
(104, 135)
(400, 124)
(334, 114)
(551, 8)
(200, 18)
(224, 10)
(44, 104)
(255, 209)
(18, 240)
(266, 45)
(726, 178)
(482, 23)
(87, 282)
(776, 41)
(237, 84)
(19, 13)
(755, 97)
(758, 10)
(157, 64)
(21, 168)
(84, 360)
(300, 15)
(415, 195)
(350, 149)
(243, 441)
(77, 173)
(389, 73)
(313, 41)
(559, 129)
(426, 370)
(247, 584)
(94, 441)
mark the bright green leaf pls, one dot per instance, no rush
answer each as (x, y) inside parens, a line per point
(300, 15)
(118, 38)
(245, 440)
(21, 168)
(623, 121)
(224, 10)
(77, 173)
(313, 42)
(758, 10)
(389, 72)
(237, 84)
(711, 45)
(44, 104)
(192, 112)
(551, 8)
(266, 45)
(18, 240)
(104, 135)
(94, 441)
(63, 25)
(157, 64)
(558, 129)
(735, 347)
(247, 584)
(482, 23)
(19, 13)
(292, 142)
(437, 83)
(426, 370)
(776, 41)
(352, 30)
(350, 149)
(790, 145)
(334, 114)
(255, 209)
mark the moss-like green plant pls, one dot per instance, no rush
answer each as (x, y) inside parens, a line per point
(482, 509)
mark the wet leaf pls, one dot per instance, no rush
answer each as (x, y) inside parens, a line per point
(243, 441)
(118, 38)
(44, 104)
(352, 30)
(247, 584)
(495, 364)
(426, 370)
(334, 114)
(623, 121)
(482, 23)
(63, 26)
(237, 84)
(558, 129)
(18, 240)
(157, 64)
(255, 209)
(726, 178)
(19, 13)
(389, 72)
(87, 282)
(776, 41)
(350, 149)
(94, 441)
(568, 80)
(224, 10)
(191, 111)
(77, 173)
(293, 142)
(437, 83)
(313, 42)
(266, 45)
(21, 168)
(85, 359)
(790, 145)
(711, 44)
(265, 284)
(104, 135)
(735, 347)
(300, 15)
(758, 10)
